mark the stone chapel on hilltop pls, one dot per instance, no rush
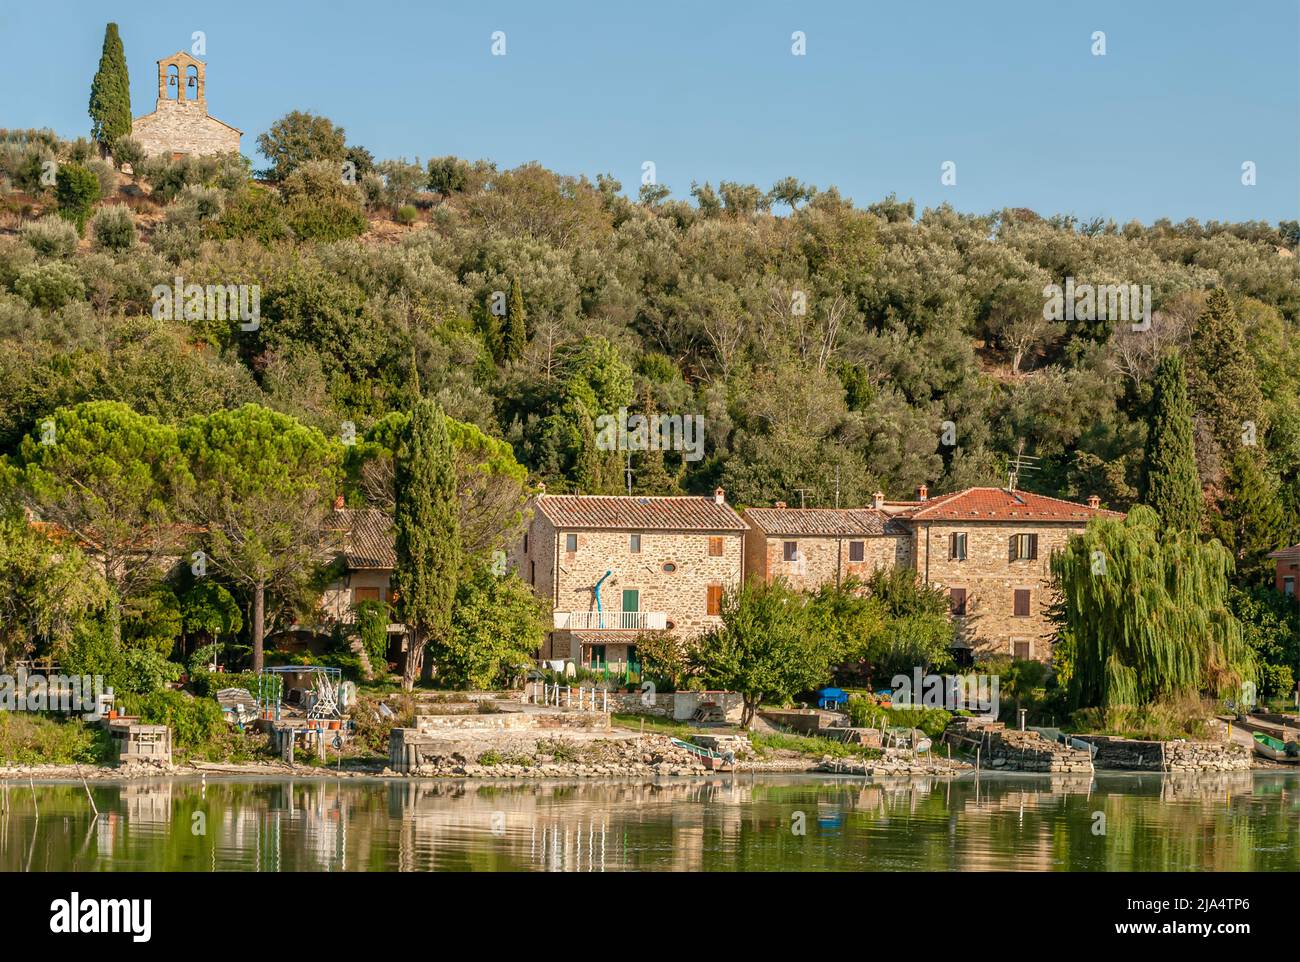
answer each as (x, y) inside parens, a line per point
(180, 123)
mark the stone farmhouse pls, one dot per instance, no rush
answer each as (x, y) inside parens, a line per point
(180, 123)
(615, 566)
(988, 548)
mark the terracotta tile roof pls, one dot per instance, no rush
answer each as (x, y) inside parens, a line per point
(632, 513)
(823, 522)
(999, 504)
(367, 539)
(1287, 554)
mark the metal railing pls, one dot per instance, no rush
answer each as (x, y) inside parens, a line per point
(611, 620)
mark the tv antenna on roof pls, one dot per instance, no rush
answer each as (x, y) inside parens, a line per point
(1021, 462)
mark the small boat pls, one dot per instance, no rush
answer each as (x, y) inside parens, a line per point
(1276, 749)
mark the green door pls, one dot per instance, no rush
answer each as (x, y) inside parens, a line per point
(631, 599)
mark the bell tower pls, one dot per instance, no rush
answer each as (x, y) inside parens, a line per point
(182, 80)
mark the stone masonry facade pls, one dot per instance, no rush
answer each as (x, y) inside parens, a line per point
(989, 549)
(991, 578)
(676, 565)
(180, 123)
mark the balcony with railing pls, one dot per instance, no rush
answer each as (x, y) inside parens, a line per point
(611, 620)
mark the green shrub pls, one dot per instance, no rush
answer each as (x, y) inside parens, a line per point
(406, 215)
(32, 739)
(372, 628)
(105, 176)
(864, 713)
(490, 757)
(113, 229)
(49, 286)
(208, 683)
(76, 188)
(51, 237)
(128, 151)
(327, 219)
(252, 213)
(193, 721)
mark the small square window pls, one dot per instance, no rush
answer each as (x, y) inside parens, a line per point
(634, 543)
(570, 542)
(1024, 547)
(857, 550)
(790, 550)
(1022, 650)
(715, 547)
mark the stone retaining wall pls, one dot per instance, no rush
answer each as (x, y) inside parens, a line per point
(1007, 750)
(679, 705)
(1135, 755)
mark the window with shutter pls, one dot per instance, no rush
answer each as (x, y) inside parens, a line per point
(1024, 547)
(957, 546)
(1022, 603)
(714, 600)
(1022, 649)
(957, 599)
(715, 547)
(857, 550)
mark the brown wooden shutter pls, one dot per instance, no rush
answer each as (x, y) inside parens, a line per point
(1033, 547)
(714, 600)
(715, 547)
(1022, 602)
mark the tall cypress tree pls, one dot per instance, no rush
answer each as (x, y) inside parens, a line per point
(651, 475)
(428, 533)
(1222, 380)
(1169, 482)
(110, 93)
(1252, 522)
(516, 327)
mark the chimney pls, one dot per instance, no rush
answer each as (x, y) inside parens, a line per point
(1094, 502)
(780, 504)
(922, 493)
(338, 503)
(719, 496)
(878, 500)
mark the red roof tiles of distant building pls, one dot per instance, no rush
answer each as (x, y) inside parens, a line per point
(999, 504)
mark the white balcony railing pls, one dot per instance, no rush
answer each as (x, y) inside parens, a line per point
(611, 620)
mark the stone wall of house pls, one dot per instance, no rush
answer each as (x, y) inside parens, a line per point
(821, 559)
(183, 127)
(337, 599)
(681, 593)
(990, 577)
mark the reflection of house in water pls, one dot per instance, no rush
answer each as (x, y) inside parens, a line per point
(553, 827)
(147, 802)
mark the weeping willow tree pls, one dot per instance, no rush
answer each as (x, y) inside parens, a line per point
(1145, 618)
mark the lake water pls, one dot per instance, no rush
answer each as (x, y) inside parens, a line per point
(726, 823)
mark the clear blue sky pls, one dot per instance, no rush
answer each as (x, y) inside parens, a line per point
(709, 90)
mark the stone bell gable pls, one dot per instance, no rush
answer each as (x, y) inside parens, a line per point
(180, 123)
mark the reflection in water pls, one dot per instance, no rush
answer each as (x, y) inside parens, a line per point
(725, 823)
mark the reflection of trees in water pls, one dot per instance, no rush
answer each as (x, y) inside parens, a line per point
(1234, 821)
